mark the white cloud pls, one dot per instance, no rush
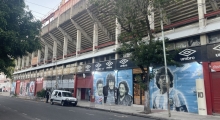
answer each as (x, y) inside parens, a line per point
(197, 72)
(186, 66)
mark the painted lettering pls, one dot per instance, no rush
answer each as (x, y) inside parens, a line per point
(217, 55)
(187, 58)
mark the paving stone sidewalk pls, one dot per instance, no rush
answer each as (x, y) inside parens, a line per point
(136, 110)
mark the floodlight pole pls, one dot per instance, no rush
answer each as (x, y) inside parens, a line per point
(165, 64)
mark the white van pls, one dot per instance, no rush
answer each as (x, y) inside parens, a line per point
(63, 97)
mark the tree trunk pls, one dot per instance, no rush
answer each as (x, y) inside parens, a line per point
(146, 78)
(147, 93)
(147, 102)
(140, 96)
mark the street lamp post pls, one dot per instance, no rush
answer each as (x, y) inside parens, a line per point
(165, 64)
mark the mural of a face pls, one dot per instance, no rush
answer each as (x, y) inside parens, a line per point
(111, 85)
(100, 89)
(162, 81)
(122, 90)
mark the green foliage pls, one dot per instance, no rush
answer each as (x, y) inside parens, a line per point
(133, 18)
(137, 38)
(41, 93)
(18, 31)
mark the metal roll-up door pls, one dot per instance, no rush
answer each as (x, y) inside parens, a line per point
(216, 92)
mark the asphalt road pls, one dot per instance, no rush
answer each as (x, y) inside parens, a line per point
(20, 109)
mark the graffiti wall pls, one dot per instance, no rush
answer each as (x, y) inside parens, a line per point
(22, 88)
(13, 87)
(113, 87)
(27, 88)
(182, 87)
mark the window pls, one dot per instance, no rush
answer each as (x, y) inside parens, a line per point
(184, 43)
(101, 58)
(97, 59)
(87, 61)
(59, 94)
(55, 94)
(170, 46)
(112, 57)
(214, 37)
(194, 41)
(66, 94)
(181, 44)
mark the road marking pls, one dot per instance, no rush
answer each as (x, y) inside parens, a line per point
(89, 114)
(37, 119)
(71, 111)
(120, 116)
(24, 114)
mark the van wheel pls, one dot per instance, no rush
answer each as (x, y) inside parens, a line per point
(51, 102)
(62, 103)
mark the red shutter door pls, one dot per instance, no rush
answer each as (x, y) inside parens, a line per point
(216, 92)
(17, 87)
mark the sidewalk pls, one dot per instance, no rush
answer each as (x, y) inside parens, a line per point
(136, 110)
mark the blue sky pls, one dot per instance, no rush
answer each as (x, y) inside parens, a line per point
(42, 8)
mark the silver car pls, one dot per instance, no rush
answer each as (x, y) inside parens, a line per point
(63, 97)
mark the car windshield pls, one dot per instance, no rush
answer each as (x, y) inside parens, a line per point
(66, 94)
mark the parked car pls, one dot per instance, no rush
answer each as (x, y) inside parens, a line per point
(63, 97)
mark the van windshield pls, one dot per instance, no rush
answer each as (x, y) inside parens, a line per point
(66, 94)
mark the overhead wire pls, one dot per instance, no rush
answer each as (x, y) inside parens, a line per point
(39, 12)
(39, 5)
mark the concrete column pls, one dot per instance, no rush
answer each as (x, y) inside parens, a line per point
(65, 46)
(117, 34)
(32, 56)
(38, 56)
(27, 60)
(16, 64)
(78, 42)
(54, 50)
(95, 37)
(45, 54)
(151, 17)
(19, 63)
(22, 63)
(201, 12)
(203, 39)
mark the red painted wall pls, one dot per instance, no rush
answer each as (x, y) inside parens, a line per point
(38, 85)
(17, 87)
(84, 82)
(215, 82)
(207, 82)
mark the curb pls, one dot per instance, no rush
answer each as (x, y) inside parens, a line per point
(114, 111)
(126, 113)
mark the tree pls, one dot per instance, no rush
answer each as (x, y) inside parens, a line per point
(18, 31)
(133, 18)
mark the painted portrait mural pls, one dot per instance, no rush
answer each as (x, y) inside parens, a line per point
(182, 87)
(125, 87)
(104, 87)
(22, 88)
(31, 88)
(109, 86)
